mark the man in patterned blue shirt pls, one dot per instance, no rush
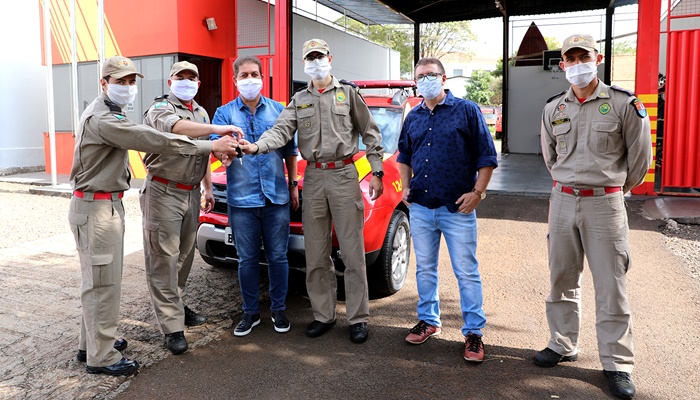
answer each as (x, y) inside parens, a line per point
(258, 197)
(448, 156)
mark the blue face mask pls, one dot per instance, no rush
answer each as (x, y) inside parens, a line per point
(430, 89)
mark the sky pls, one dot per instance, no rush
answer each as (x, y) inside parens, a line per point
(490, 31)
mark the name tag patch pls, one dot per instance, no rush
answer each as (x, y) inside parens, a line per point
(560, 121)
(305, 106)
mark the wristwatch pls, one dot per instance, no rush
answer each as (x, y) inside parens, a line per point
(293, 183)
(378, 174)
(482, 195)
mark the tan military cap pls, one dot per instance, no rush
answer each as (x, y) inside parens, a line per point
(119, 67)
(580, 41)
(315, 45)
(183, 66)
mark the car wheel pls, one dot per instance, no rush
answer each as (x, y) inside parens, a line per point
(388, 273)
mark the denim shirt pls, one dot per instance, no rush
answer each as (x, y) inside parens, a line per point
(255, 179)
(445, 148)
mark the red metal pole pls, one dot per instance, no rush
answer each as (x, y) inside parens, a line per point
(281, 63)
(647, 72)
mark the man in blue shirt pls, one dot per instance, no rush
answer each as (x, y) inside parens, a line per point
(258, 197)
(448, 156)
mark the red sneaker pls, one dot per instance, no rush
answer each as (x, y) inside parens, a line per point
(474, 348)
(422, 332)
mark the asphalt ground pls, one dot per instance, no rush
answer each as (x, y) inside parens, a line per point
(40, 311)
(513, 262)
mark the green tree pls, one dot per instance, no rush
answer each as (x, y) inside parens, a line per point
(624, 47)
(437, 39)
(496, 87)
(552, 43)
(443, 38)
(499, 66)
(478, 87)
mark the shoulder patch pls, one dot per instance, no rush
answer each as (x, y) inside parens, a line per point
(112, 107)
(160, 104)
(619, 89)
(344, 82)
(556, 96)
(118, 116)
(639, 108)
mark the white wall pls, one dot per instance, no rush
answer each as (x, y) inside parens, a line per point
(22, 111)
(529, 89)
(457, 85)
(353, 57)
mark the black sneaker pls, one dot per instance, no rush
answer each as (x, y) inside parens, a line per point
(175, 342)
(192, 318)
(246, 325)
(621, 384)
(119, 345)
(280, 321)
(549, 358)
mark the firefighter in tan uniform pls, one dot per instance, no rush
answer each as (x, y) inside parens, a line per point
(330, 116)
(596, 143)
(170, 202)
(99, 177)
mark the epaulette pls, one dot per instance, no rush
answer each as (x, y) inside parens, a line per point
(555, 96)
(344, 82)
(625, 91)
(354, 85)
(113, 107)
(300, 89)
(162, 97)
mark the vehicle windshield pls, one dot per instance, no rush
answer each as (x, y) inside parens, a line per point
(389, 121)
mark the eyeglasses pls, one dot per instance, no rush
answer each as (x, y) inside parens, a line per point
(312, 57)
(430, 76)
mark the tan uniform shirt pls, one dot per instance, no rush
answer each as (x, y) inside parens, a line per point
(329, 126)
(602, 142)
(162, 115)
(100, 161)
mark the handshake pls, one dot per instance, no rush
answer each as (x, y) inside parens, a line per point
(231, 144)
(226, 148)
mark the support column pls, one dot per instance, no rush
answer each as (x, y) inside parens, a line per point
(647, 75)
(282, 61)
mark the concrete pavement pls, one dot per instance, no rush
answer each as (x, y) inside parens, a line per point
(513, 259)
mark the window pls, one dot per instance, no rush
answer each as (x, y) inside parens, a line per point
(457, 72)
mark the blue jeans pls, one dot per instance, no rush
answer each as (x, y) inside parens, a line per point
(249, 225)
(459, 231)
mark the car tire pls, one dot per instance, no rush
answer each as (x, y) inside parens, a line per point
(499, 135)
(388, 273)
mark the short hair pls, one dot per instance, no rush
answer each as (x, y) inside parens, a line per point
(430, 60)
(246, 60)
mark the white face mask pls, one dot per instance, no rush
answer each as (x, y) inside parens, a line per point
(249, 88)
(317, 69)
(581, 74)
(122, 95)
(184, 89)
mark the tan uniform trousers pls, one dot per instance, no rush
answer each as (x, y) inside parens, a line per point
(98, 228)
(597, 227)
(170, 218)
(333, 195)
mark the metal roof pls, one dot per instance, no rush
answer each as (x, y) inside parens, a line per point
(369, 12)
(422, 11)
